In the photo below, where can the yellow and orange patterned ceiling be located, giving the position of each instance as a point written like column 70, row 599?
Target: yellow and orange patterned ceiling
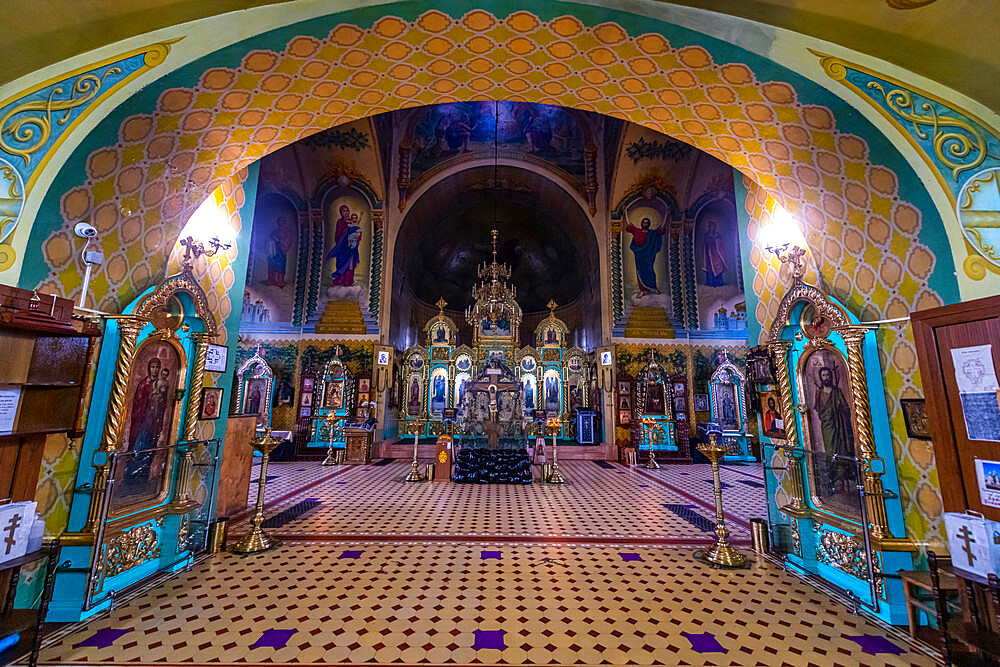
column 949, row 41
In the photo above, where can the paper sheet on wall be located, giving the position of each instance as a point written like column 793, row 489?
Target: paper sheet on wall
column 988, row 474
column 979, row 391
column 9, row 398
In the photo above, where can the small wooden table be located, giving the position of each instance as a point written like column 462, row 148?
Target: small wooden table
column 915, row 581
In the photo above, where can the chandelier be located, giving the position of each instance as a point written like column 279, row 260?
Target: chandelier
column 495, row 299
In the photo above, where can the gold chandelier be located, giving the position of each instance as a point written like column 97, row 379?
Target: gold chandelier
column 494, row 298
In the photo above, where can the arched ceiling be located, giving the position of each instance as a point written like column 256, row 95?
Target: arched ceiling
column 545, row 238
column 949, row 41
column 140, row 175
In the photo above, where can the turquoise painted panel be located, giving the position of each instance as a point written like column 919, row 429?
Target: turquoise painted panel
column 30, row 125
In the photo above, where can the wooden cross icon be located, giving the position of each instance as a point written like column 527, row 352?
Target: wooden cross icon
column 965, row 535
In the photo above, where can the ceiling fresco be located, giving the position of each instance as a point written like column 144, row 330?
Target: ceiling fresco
column 461, row 129
column 545, row 238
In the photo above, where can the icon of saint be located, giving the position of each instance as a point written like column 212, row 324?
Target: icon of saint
column 278, row 245
column 713, row 256
column 345, row 249
column 645, row 246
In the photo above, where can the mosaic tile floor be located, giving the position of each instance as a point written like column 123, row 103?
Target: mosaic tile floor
column 673, row 505
column 329, row 603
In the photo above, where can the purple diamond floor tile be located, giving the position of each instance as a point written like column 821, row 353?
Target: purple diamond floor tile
column 351, row 554
column 103, row 638
column 489, row 639
column 874, row 644
column 704, row 642
column 273, row 638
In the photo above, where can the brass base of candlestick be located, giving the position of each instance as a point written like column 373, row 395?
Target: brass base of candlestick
column 331, row 459
column 722, row 555
column 255, row 541
column 651, row 463
column 554, row 477
column 414, row 474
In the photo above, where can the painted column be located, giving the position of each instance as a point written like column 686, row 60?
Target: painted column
column 779, row 349
column 201, row 340
column 129, row 327
column 854, row 337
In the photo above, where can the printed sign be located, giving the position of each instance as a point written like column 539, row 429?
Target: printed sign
column 9, row 398
column 215, row 358
column 979, row 391
column 988, row 474
column 16, row 520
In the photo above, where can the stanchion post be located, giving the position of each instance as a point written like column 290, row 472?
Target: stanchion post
column 257, row 539
column 722, row 553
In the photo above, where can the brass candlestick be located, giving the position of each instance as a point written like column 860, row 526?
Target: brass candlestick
column 257, row 540
column 554, row 477
column 330, row 459
column 416, row 426
column 651, row 464
column 722, row 553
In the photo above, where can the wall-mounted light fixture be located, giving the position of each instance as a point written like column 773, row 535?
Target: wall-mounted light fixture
column 207, row 230
column 195, row 249
column 783, row 237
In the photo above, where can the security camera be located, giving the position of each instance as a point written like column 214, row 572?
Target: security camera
column 84, row 230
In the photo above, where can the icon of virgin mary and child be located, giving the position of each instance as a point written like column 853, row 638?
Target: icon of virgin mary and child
column 346, row 239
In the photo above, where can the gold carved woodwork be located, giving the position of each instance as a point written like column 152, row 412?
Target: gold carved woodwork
column 129, row 327
column 201, row 340
column 130, row 549
column 182, row 534
column 179, row 282
column 847, row 554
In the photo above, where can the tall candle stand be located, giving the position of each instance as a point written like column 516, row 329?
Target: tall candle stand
column 651, row 464
column 721, row 554
column 331, row 422
column 554, row 477
column 257, row 540
column 417, row 425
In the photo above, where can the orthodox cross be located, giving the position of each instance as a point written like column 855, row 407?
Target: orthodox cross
column 11, row 529
column 965, row 535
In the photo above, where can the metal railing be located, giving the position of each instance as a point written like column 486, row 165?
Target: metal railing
column 193, row 465
column 797, row 454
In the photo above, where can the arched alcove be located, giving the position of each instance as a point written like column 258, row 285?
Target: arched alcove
column 545, row 237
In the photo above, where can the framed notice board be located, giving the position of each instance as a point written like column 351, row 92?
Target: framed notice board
column 958, row 349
